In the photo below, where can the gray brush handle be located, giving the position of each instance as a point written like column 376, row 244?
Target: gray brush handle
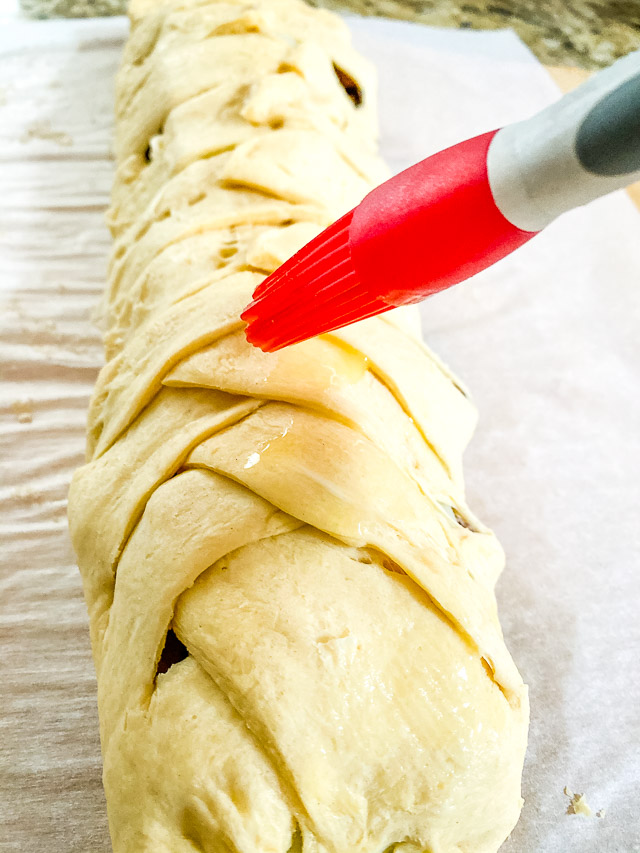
column 584, row 146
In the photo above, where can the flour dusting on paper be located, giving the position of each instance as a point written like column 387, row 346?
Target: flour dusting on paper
column 43, row 130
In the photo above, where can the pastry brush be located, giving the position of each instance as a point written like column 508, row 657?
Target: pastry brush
column 457, row 212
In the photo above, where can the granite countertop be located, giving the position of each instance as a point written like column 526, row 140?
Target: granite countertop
column 586, row 33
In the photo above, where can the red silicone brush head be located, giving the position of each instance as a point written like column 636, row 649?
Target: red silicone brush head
column 428, row 228
column 315, row 291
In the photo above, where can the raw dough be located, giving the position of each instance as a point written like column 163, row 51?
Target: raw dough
column 291, row 606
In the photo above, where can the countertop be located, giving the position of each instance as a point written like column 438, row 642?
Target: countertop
column 586, row 33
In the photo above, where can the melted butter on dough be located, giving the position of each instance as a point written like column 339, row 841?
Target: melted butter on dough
column 294, row 523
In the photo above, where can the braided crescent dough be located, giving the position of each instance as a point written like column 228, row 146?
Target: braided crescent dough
column 292, row 609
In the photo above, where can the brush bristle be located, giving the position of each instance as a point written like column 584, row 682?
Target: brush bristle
column 314, row 292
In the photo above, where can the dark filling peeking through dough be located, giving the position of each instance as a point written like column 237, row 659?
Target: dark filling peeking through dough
column 174, row 651
column 350, row 86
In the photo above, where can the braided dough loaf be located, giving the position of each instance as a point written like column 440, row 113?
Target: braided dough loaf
column 291, row 607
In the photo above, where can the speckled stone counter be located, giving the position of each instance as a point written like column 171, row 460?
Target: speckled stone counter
column 587, row 33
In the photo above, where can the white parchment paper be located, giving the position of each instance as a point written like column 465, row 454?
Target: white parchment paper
column 547, row 341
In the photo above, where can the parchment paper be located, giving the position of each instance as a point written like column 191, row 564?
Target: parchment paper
column 547, row 341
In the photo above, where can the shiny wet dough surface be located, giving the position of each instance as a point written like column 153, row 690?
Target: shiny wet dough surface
column 291, row 529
